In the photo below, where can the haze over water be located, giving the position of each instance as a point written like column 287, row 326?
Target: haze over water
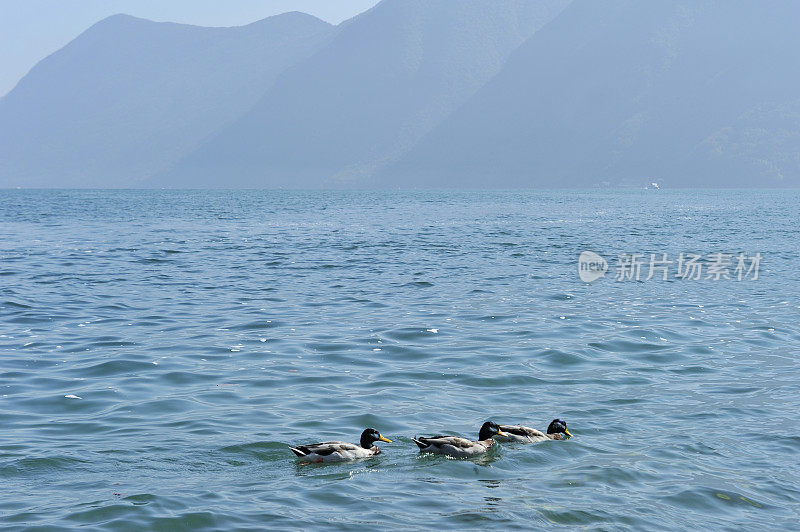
column 159, row 350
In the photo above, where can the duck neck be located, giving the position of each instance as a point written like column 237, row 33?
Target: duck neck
column 484, row 435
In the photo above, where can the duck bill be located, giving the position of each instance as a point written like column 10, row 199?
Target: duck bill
column 501, row 433
column 387, row 440
column 567, row 433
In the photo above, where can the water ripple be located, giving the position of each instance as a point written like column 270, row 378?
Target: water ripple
column 161, row 350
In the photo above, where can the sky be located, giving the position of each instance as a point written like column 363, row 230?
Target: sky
column 30, row 30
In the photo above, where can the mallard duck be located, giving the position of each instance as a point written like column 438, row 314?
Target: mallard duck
column 460, row 447
column 518, row 433
column 339, row 451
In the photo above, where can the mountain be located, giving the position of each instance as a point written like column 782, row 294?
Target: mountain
column 684, row 92
column 421, row 93
column 389, row 76
column 129, row 97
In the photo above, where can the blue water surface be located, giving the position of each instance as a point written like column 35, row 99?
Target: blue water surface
column 159, row 350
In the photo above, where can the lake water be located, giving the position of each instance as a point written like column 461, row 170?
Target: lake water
column 159, row 350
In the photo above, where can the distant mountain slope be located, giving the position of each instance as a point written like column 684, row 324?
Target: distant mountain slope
column 388, row 77
column 129, row 97
column 687, row 92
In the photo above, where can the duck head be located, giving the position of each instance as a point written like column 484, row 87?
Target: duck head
column 558, row 426
column 370, row 436
column 490, row 429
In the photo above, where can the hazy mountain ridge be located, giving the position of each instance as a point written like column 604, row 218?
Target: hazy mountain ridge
column 389, row 76
column 414, row 93
column 129, row 96
column 691, row 93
